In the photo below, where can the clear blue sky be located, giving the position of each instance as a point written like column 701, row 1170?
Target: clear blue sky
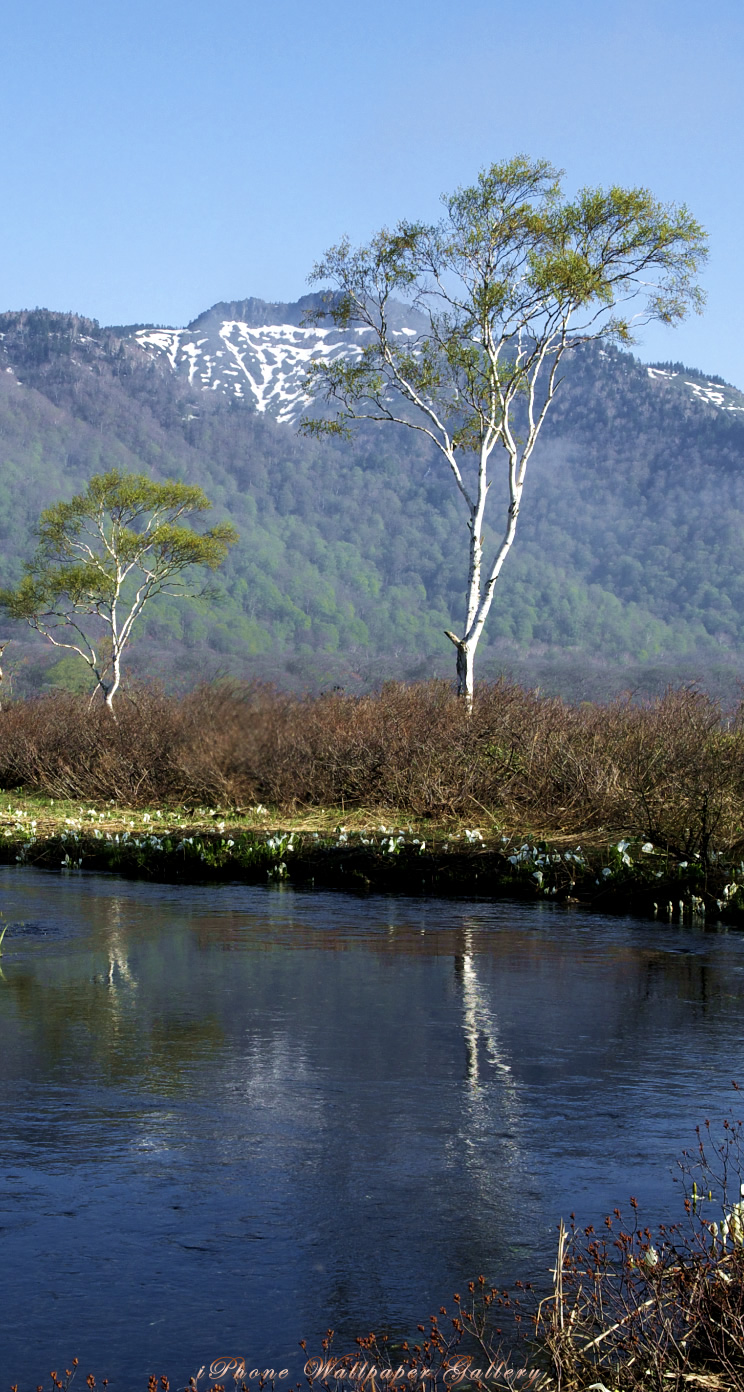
column 160, row 155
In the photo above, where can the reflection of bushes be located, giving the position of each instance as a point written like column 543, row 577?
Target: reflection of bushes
column 670, row 771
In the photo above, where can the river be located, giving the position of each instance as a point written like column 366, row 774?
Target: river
column 234, row 1116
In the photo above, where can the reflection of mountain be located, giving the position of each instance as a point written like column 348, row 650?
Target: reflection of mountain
column 87, row 1014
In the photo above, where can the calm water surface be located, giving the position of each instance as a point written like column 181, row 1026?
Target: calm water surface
column 235, row 1116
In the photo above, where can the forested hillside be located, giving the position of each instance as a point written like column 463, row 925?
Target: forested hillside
column 351, row 557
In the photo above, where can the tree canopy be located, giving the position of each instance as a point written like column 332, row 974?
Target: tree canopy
column 511, row 277
column 102, row 556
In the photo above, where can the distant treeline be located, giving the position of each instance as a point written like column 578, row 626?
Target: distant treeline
column 630, row 536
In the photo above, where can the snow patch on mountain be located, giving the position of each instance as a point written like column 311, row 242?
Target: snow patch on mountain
column 252, row 350
column 712, row 393
column 267, row 363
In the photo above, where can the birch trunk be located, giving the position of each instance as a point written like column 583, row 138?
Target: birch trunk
column 480, row 598
column 509, row 280
column 118, row 642
column 465, row 671
column 110, row 691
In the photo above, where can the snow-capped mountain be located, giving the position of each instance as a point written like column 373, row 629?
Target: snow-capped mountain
column 251, row 349
column 715, row 393
column 254, row 350
column 630, row 541
column 258, row 352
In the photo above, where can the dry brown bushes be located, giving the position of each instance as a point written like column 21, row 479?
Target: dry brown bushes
column 671, row 770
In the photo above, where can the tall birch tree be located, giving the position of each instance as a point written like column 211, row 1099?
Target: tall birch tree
column 103, row 556
column 510, row 280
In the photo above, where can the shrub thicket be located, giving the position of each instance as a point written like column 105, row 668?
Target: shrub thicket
column 671, row 770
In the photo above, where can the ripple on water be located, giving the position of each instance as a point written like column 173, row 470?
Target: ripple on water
column 234, row 1116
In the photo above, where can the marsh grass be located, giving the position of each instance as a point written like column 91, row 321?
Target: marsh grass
column 633, row 1309
column 670, row 771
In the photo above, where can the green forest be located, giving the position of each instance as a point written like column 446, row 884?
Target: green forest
column 351, row 558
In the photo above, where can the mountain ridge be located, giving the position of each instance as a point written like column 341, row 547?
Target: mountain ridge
column 352, row 555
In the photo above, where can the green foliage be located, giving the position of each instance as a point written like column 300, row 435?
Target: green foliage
column 70, row 674
column 632, row 524
column 501, row 285
column 510, row 279
column 104, row 555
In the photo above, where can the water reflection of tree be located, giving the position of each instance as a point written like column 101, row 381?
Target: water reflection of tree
column 479, row 1023
column 370, row 1101
column 492, row 1133
column 92, row 1022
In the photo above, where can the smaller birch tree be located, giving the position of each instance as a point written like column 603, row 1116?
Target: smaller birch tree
column 103, row 556
column 511, row 279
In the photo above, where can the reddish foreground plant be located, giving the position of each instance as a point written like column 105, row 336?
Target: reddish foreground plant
column 630, row 1310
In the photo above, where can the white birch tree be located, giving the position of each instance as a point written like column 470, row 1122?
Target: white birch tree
column 511, row 279
column 103, row 556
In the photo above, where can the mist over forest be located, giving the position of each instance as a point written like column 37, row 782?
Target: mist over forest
column 626, row 572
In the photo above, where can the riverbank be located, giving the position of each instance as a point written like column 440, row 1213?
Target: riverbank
column 362, row 853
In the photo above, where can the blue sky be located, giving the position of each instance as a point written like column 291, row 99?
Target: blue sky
column 160, row 155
